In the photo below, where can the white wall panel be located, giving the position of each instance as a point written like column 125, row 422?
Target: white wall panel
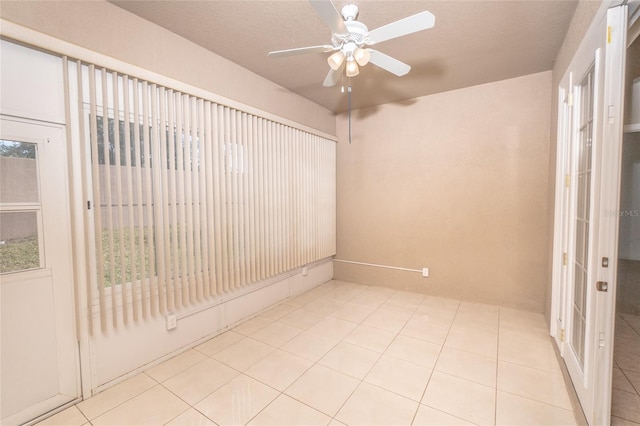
column 31, row 83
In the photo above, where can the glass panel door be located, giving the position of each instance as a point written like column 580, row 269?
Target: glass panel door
column 582, row 215
column 38, row 346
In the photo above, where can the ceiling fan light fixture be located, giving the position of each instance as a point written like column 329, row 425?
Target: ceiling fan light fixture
column 336, row 60
column 352, row 67
column 362, row 56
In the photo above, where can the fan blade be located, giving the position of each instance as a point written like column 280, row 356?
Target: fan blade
column 330, row 16
column 388, row 63
column 333, row 76
column 411, row 24
column 301, row 51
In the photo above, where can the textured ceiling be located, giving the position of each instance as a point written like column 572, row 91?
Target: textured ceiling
column 473, row 42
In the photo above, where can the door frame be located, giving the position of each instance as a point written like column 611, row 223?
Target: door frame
column 596, row 392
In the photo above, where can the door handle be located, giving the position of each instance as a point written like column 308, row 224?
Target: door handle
column 602, row 286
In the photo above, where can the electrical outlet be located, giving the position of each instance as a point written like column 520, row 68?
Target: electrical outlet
column 171, row 321
column 304, row 271
column 425, row 272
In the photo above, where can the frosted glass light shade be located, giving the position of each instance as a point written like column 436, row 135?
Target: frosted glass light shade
column 336, row 60
column 352, row 68
column 361, row 56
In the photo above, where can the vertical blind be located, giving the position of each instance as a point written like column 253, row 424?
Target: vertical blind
column 190, row 199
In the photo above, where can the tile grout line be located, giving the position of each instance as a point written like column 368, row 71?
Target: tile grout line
column 436, row 363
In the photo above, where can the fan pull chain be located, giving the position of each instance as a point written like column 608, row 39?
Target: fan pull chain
column 349, row 106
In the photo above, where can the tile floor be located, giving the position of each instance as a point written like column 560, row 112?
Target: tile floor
column 347, row 354
column 625, row 398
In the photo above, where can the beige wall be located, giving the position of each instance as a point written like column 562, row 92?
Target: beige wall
column 456, row 182
column 582, row 18
column 107, row 29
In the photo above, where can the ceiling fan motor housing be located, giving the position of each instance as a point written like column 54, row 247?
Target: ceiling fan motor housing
column 350, row 12
column 357, row 31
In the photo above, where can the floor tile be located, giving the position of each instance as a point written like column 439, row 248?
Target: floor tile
column 516, row 410
column 320, row 291
column 460, row 398
column 634, row 378
column 237, row 402
column 302, row 318
column 633, row 321
column 427, row 416
column 538, row 337
column 617, row 421
column 479, row 310
column 154, row 407
column 323, row 305
column 476, row 340
column 350, row 359
column 627, row 361
column 388, row 320
column 279, row 369
column 249, row 327
column 244, row 354
column 323, row 389
column 624, row 330
column 276, row 334
column 534, row 356
column 344, row 294
column 621, row 382
column 414, row 350
column 71, row 416
column 406, row 300
column 286, row 411
column 379, row 291
column 279, row 311
column 435, row 313
column 309, row 345
column 515, row 319
column 219, row 343
column 370, row 338
column 420, row 327
column 115, row 395
column 351, row 312
column 301, row 299
column 477, row 315
column 191, row 417
column 439, row 307
column 625, row 405
column 198, row 381
column 371, row 405
column 626, row 346
column 468, row 366
column 175, row 365
column 402, row 377
column 539, row 385
column 369, row 299
column 334, row 328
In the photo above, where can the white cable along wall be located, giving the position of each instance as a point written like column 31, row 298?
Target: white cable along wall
column 191, row 199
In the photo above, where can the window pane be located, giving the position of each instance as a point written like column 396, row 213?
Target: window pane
column 19, row 249
column 18, row 172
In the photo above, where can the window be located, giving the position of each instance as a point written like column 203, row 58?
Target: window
column 215, row 201
column 20, row 245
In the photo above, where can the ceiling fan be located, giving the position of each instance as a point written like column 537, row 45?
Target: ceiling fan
column 350, row 40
